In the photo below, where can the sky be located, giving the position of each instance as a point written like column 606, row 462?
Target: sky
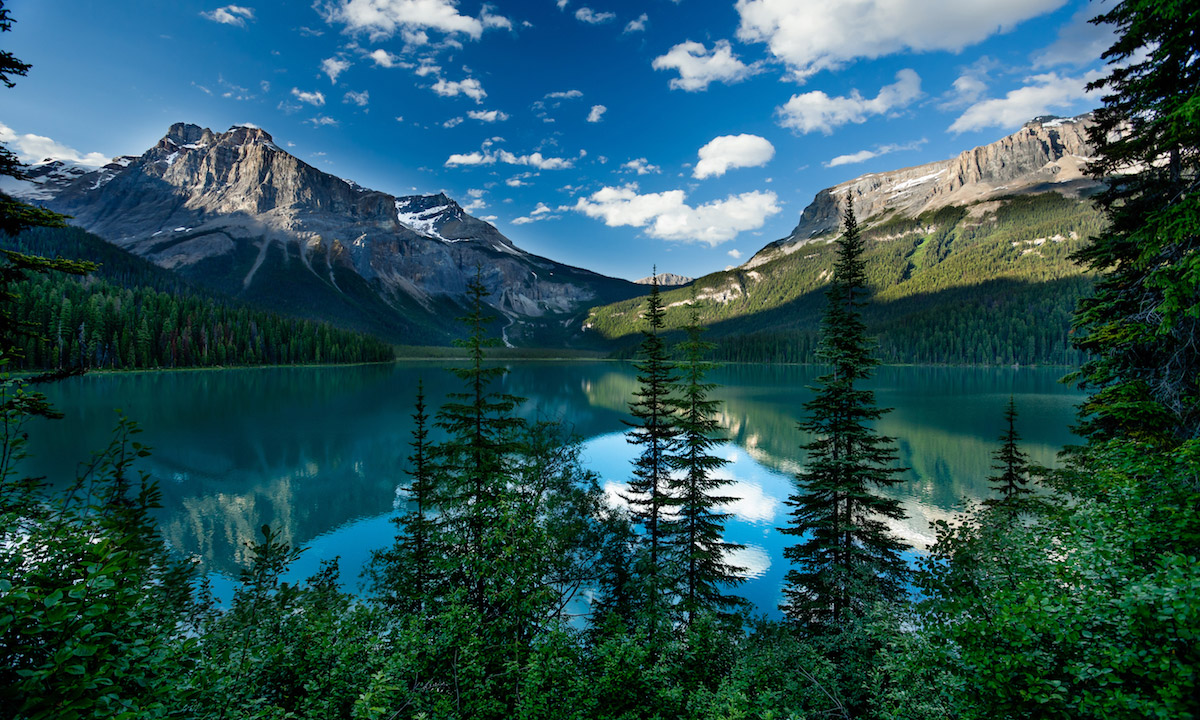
column 612, row 135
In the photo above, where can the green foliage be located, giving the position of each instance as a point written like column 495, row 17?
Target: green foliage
column 139, row 317
column 846, row 559
column 991, row 284
column 655, row 430
column 1012, row 482
column 1141, row 326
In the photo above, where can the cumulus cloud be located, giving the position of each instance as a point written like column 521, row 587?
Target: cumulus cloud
column 381, row 19
column 385, row 59
column 733, row 151
column 357, row 98
column 817, row 111
column 453, row 122
column 564, row 95
column 490, row 156
column 315, row 98
column 1044, row 94
column 665, row 215
column 541, row 212
column 590, row 16
column 487, row 116
column 638, row 24
column 698, row 67
column 864, row 155
column 333, row 67
column 230, row 15
column 36, row 148
column 641, row 166
column 321, row 121
column 735, row 254
column 470, row 87
column 597, row 112
column 815, row 35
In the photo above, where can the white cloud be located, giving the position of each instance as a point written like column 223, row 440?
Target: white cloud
column 562, row 4
column 698, row 67
column 36, row 148
column 815, row 35
column 315, row 98
column 494, row 21
column 638, row 24
column 1042, row 96
column 469, row 87
column 864, row 155
column 817, row 111
column 385, row 59
column 641, row 166
column 587, row 15
column 541, row 212
column 427, row 68
column 491, row 157
column 334, row 67
column 453, row 122
column 487, row 116
column 382, row 19
column 358, row 98
column 596, row 113
column 321, row 121
column 665, row 215
column 733, row 151
column 735, row 254
column 230, row 15
column 564, row 95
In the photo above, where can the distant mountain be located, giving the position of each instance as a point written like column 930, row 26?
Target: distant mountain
column 236, row 213
column 665, row 280
column 967, row 258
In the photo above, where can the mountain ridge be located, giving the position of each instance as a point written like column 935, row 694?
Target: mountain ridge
column 235, row 212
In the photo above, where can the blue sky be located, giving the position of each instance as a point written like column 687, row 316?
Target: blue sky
column 609, row 135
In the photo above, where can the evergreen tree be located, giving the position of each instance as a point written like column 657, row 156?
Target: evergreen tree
column 846, row 559
column 655, row 430
column 1142, row 324
column 1012, row 484
column 476, row 459
column 405, row 574
column 699, row 524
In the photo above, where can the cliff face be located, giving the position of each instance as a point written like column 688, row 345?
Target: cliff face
column 1046, row 154
column 236, row 212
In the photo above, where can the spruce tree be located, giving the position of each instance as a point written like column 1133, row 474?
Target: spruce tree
column 846, row 558
column 406, row 573
column 654, row 429
column 1012, row 484
column 1141, row 326
column 699, row 523
column 476, row 458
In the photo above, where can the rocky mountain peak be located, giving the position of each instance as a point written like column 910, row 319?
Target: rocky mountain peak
column 1047, row 153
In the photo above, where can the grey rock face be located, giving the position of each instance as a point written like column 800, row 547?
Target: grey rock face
column 1046, row 154
column 236, row 212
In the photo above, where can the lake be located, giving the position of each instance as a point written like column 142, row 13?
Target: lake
column 320, row 452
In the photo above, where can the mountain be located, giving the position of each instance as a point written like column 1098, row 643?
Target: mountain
column 236, row 213
column 665, row 280
column 968, row 259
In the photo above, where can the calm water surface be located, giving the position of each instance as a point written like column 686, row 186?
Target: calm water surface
column 319, row 452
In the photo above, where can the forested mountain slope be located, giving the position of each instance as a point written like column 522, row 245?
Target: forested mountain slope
column 986, row 282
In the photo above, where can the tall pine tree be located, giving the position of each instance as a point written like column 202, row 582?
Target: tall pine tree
column 1142, row 325
column 654, row 429
column 846, row 558
column 699, row 524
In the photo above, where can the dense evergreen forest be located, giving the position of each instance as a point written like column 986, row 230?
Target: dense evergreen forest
column 991, row 284
column 512, row 590
column 131, row 314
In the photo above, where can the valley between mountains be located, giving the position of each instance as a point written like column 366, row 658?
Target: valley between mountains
column 968, row 258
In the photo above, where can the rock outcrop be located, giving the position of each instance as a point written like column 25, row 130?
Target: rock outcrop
column 1046, row 154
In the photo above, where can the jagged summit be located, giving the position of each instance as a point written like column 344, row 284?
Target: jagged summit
column 238, row 213
column 1047, row 153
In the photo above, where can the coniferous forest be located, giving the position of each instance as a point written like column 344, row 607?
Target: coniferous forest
column 513, row 590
